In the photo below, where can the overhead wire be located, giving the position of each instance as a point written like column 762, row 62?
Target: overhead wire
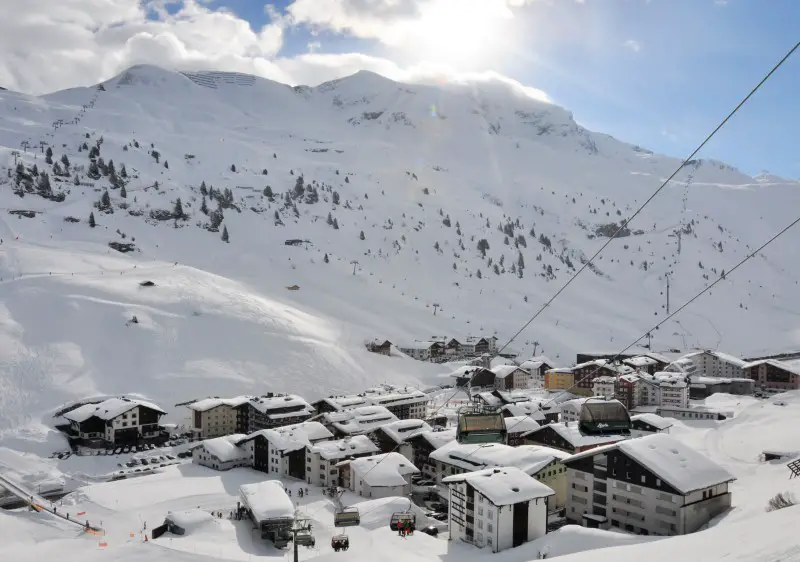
column 627, row 221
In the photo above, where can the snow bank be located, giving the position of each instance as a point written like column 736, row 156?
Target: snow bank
column 191, row 520
column 574, row 538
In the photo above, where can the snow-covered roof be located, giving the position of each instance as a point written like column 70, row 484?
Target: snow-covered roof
column 267, row 500
column 536, row 362
column 607, row 379
column 640, row 361
column 791, row 368
column 363, row 419
column 719, row 355
column 108, row 409
column 225, row 449
column 502, row 371
column 530, row 409
column 657, row 356
column 573, row 435
column 503, row 485
column 466, row 371
column 520, row 424
column 652, row 419
column 265, row 404
column 436, row 438
column 210, row 403
column 512, row 396
column 490, row 398
column 682, row 467
column 344, row 448
column 528, row 458
column 190, row 518
column 398, row 397
column 575, row 404
column 401, row 430
column 292, row 437
column 388, row 469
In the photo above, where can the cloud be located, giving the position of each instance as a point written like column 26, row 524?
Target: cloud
column 50, row 46
column 633, row 45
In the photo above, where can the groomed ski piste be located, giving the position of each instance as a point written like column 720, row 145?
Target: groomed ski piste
column 123, row 508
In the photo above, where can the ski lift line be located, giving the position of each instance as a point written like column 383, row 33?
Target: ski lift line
column 687, row 303
column 626, row 222
column 669, row 317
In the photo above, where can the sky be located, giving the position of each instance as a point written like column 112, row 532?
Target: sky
column 657, row 73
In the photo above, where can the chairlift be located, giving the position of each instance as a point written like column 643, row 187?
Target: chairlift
column 346, row 517
column 340, row 542
column 406, row 517
column 305, row 538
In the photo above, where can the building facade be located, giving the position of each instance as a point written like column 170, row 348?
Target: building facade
column 643, row 486
column 482, row 513
column 322, row 458
column 116, row 421
column 559, row 379
column 773, row 376
column 222, row 453
column 382, row 476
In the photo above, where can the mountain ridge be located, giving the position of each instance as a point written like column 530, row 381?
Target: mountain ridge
column 411, row 196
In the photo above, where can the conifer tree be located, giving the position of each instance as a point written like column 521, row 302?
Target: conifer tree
column 225, row 237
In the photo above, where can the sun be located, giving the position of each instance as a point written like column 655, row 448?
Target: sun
column 462, row 34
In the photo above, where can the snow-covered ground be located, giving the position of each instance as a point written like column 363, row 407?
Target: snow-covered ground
column 424, row 173
column 747, row 532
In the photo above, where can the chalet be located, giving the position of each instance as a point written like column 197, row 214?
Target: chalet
column 537, row 367
column 585, row 373
column 511, row 377
column 116, row 421
column 652, row 485
column 453, row 347
column 423, row 443
column 423, row 350
column 381, row 476
column 649, row 363
column 392, row 436
column 222, row 453
column 275, row 410
column 773, row 376
column 516, row 427
column 476, row 345
column 357, row 421
column 380, row 347
column 215, row 417
column 645, row 424
column 281, row 452
column 323, row 457
column 498, row 508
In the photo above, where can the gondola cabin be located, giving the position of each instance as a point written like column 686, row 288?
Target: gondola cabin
column 347, row 517
column 481, row 428
column 599, row 416
column 406, row 517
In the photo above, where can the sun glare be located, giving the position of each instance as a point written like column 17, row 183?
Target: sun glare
column 463, row 34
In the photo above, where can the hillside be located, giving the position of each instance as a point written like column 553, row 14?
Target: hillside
column 425, row 173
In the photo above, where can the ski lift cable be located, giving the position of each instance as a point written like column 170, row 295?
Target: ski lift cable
column 626, row 222
column 669, row 317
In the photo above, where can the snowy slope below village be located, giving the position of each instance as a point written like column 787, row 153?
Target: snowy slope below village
column 424, row 172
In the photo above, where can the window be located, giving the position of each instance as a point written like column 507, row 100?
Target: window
column 490, row 514
column 480, row 524
column 480, row 498
column 489, row 541
column 480, row 511
column 124, row 424
column 489, row 527
column 658, row 482
column 643, row 479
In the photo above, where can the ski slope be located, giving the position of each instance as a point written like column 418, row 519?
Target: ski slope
column 396, row 162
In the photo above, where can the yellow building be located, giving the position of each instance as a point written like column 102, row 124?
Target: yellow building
column 554, row 475
column 558, row 379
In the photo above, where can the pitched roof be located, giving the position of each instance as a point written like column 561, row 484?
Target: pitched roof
column 682, row 467
column 535, row 363
column 388, row 469
column 267, row 500
column 435, row 438
column 291, row 437
column 108, row 409
column 400, row 430
column 225, row 448
column 503, row 485
column 528, row 458
column 572, row 434
column 652, row 419
column 210, row 403
column 363, row 419
column 344, row 448
column 520, row 424
column 266, row 404
column 775, row 363
column 502, row 371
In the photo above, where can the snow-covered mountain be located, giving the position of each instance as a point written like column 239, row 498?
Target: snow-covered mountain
column 397, row 191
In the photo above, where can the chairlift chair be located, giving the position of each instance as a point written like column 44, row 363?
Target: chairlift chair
column 475, row 428
column 340, row 542
column 305, row 538
column 406, row 517
column 346, row 517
